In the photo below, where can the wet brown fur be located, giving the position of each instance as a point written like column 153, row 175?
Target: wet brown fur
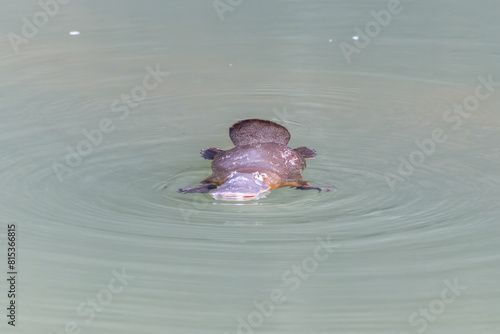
column 260, row 147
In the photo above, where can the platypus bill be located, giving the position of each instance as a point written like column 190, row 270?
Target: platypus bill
column 259, row 162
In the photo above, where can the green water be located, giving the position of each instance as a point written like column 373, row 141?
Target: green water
column 99, row 129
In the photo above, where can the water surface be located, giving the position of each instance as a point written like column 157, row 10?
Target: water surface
column 406, row 244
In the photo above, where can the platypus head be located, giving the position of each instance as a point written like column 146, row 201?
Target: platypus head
column 242, row 187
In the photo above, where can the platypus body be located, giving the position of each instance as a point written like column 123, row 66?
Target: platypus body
column 259, row 162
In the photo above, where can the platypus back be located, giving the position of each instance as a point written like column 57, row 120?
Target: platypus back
column 256, row 131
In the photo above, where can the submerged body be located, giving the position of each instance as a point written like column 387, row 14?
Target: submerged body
column 260, row 161
column 271, row 165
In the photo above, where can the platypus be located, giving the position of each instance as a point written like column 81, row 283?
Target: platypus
column 259, row 162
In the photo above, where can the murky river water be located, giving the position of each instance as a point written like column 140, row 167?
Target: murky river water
column 100, row 127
